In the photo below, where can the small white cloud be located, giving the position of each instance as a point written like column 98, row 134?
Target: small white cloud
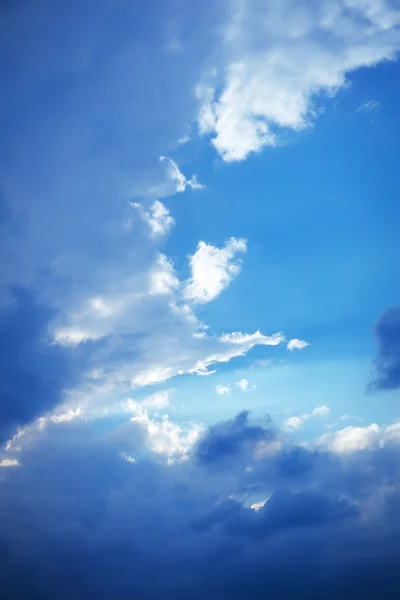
column 321, row 411
column 294, row 423
column 258, row 505
column 72, row 336
column 212, row 270
column 245, row 385
column 178, row 178
column 296, row 344
column 158, row 218
column 9, row 462
column 222, row 389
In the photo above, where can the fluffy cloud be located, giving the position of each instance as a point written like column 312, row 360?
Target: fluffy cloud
column 245, row 385
column 355, row 438
column 157, row 218
column 212, row 270
column 280, row 57
column 296, row 344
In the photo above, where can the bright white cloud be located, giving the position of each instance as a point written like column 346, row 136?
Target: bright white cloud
column 9, row 462
column 280, row 57
column 245, row 386
column 164, row 437
column 212, row 270
column 157, row 218
column 178, row 178
column 357, row 438
column 351, row 439
column 296, row 344
column 222, row 389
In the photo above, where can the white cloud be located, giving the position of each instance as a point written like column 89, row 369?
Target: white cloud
column 351, row 439
column 245, row 385
column 163, row 436
column 296, row 344
column 157, row 218
column 294, row 423
column 357, row 438
column 9, row 462
column 280, row 57
column 321, row 411
column 222, row 389
column 178, row 178
column 212, row 270
column 158, row 400
column 163, row 279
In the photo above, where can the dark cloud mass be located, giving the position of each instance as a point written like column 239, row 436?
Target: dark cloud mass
column 33, row 372
column 387, row 331
column 79, row 521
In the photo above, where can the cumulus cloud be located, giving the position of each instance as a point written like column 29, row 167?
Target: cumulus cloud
column 280, row 58
column 296, row 344
column 157, row 218
column 212, row 270
column 356, row 438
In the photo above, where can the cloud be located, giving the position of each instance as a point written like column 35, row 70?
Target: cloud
column 227, row 440
column 357, row 438
column 158, row 400
column 111, row 521
column 34, row 372
column 387, row 363
column 293, row 423
column 212, row 270
column 158, row 218
column 222, row 389
column 280, row 58
column 368, row 107
column 296, row 344
column 178, row 178
column 245, row 385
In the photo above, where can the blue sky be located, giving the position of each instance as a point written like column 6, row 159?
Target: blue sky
column 199, row 297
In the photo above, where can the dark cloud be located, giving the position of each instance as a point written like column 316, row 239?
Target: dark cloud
column 79, row 521
column 387, row 332
column 228, row 439
column 33, row 372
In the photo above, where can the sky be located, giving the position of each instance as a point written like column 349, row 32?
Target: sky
column 199, row 299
